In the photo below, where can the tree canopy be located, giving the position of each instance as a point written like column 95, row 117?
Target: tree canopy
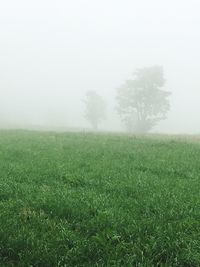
column 142, row 101
column 95, row 108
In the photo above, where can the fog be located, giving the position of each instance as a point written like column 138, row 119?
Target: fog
column 53, row 52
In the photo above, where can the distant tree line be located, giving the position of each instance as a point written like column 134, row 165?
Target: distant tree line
column 142, row 101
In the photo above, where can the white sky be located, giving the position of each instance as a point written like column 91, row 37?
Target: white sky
column 52, row 52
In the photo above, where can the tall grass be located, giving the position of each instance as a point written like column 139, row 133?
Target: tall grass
column 98, row 200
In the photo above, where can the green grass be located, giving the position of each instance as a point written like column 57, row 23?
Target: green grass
column 98, row 200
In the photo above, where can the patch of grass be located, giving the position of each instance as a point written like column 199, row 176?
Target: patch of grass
column 98, row 200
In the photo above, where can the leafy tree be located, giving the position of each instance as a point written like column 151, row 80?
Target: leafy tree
column 95, row 108
column 142, row 102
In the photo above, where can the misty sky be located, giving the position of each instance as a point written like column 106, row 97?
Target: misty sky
column 52, row 52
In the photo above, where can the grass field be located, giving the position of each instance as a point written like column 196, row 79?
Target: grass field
column 98, row 200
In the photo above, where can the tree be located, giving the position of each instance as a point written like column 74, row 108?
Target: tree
column 95, row 108
column 142, row 102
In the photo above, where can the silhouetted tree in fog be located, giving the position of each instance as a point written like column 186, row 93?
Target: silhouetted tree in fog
column 95, row 108
column 142, row 102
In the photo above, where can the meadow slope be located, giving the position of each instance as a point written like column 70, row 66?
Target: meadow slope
column 98, row 200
